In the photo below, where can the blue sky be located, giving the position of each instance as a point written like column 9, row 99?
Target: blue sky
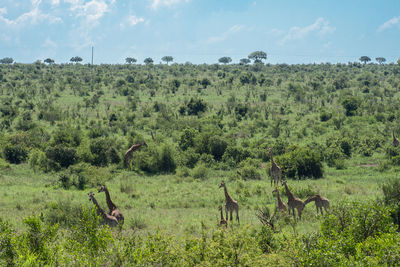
column 199, row 31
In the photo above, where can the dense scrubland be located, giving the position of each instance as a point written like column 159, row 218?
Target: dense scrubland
column 65, row 129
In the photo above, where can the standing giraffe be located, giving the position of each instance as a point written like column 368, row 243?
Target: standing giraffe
column 281, row 206
column 319, row 202
column 114, row 211
column 108, row 219
column 230, row 204
column 223, row 222
column 293, row 202
column 129, row 153
column 274, row 171
column 395, row 141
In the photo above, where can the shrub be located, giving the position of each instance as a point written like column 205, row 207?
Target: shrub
column 301, row 163
column 187, row 138
column 217, row 147
column 15, row 153
column 200, row 172
column 351, row 104
column 63, row 156
column 249, row 169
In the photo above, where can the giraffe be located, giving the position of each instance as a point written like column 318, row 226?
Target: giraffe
column 274, row 171
column 107, row 219
column 293, row 202
column 129, row 153
column 281, row 206
column 223, row 222
column 395, row 141
column 230, row 204
column 114, row 211
column 319, row 202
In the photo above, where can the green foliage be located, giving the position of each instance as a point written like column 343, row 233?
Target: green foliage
column 217, row 147
column 249, row 169
column 351, row 104
column 301, row 163
column 36, row 242
column 15, row 153
column 8, row 251
column 60, row 156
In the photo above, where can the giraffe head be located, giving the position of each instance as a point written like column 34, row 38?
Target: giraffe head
column 91, row 196
column 222, row 184
column 275, row 190
column 144, row 143
column 220, row 208
column 102, row 188
column 283, row 182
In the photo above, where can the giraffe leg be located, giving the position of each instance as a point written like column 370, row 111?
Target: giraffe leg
column 237, row 215
column 231, row 213
column 322, row 212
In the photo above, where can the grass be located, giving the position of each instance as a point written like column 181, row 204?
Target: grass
column 179, row 205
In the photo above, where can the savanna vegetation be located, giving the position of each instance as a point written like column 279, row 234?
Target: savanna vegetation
column 66, row 127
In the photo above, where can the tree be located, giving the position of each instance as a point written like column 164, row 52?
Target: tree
column 167, row 59
column 380, row 60
column 76, row 59
column 6, row 60
column 258, row 56
column 225, row 60
column 364, row 59
column 130, row 60
column 244, row 61
column 49, row 61
column 148, row 60
column 398, row 61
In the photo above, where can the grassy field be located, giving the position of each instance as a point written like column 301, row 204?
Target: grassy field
column 65, row 129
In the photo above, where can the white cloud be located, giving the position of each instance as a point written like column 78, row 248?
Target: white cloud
column 32, row 17
column 158, row 3
column 92, row 10
column 390, row 23
column 55, row 2
column 232, row 30
column 320, row 26
column 133, row 20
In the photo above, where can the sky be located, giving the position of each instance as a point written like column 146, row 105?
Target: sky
column 199, row 31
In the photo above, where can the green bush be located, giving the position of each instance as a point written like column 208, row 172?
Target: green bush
column 301, row 163
column 249, row 169
column 217, row 147
column 62, row 156
column 15, row 153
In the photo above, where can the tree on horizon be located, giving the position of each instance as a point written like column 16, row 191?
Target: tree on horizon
column 364, row 59
column 258, row 56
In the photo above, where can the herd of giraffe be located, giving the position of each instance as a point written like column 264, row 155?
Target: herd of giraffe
column 115, row 217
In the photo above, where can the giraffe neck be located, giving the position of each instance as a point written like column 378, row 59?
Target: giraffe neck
column 280, row 202
column 222, row 215
column 288, row 193
column 99, row 209
column 110, row 204
column 310, row 199
column 227, row 196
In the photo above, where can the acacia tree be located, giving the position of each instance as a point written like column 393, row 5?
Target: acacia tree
column 148, row 60
column 76, row 59
column 48, row 61
column 244, row 61
column 364, row 59
column 225, row 60
column 258, row 56
column 6, row 60
column 167, row 59
column 130, row 60
column 380, row 60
